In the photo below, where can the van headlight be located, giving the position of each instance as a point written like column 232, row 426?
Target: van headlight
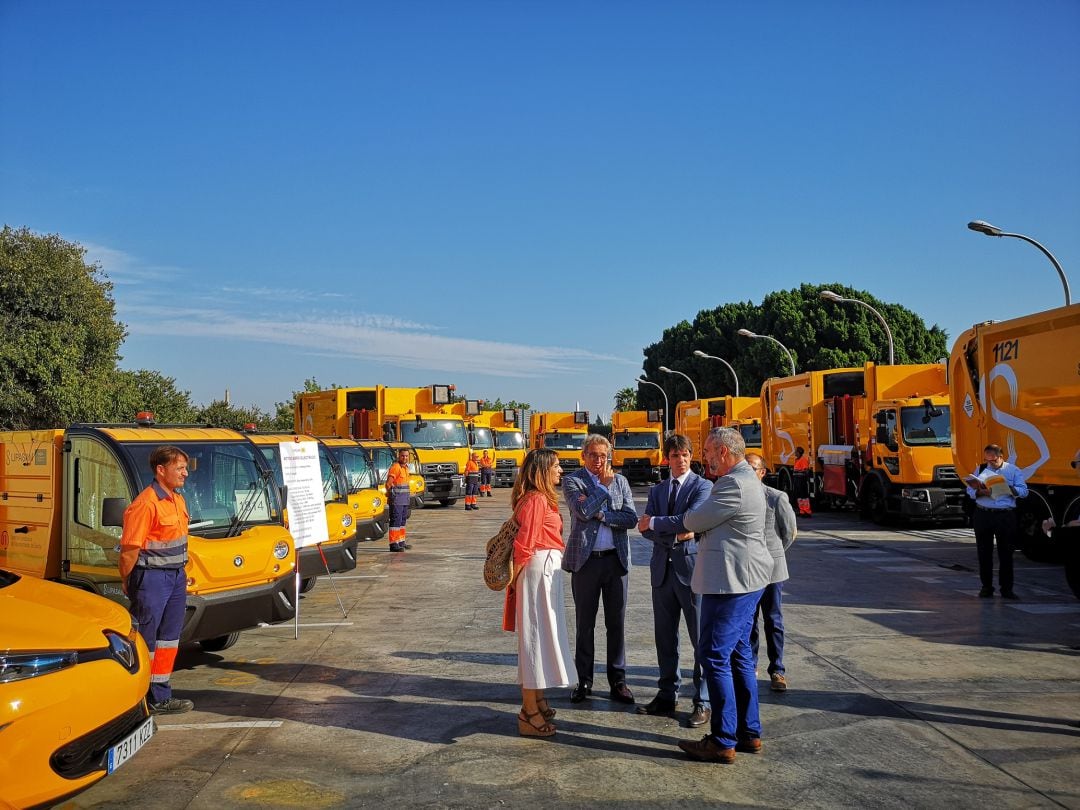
column 281, row 550
column 346, row 520
column 376, row 503
column 22, row 666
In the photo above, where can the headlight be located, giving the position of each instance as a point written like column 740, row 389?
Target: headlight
column 376, row 503
column 30, row 665
column 920, row 495
column 281, row 550
column 346, row 521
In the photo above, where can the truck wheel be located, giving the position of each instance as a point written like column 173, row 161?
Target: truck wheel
column 307, row 584
column 874, row 503
column 447, row 501
column 220, row 643
column 786, row 484
column 1033, row 542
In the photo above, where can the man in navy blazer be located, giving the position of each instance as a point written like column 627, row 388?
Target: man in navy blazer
column 672, row 566
column 597, row 556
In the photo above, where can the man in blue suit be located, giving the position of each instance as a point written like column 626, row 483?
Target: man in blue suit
column 597, row 556
column 672, row 566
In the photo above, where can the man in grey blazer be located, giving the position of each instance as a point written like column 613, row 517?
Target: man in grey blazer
column 733, row 567
column 780, row 531
column 597, row 556
column 672, row 566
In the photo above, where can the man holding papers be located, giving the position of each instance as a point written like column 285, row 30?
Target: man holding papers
column 995, row 487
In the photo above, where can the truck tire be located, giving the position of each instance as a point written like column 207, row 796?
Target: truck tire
column 1033, row 542
column 874, row 502
column 219, row 643
column 307, row 584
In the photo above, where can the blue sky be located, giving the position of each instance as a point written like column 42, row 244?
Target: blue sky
column 517, row 197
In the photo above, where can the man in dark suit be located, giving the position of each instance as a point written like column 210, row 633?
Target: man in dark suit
column 597, row 556
column 672, row 566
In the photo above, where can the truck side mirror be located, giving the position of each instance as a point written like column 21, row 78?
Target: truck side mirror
column 882, row 436
column 112, row 511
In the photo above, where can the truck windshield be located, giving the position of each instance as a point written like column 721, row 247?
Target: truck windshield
column 482, row 439
column 564, row 441
column 636, row 441
column 272, row 454
column 358, row 472
column 509, row 440
column 925, row 427
column 435, row 434
column 225, row 483
column 751, row 434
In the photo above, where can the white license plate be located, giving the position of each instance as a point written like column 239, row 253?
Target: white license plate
column 126, row 748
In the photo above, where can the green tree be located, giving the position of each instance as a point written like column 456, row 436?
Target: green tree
column 59, row 336
column 499, row 405
column 819, row 334
column 144, row 390
column 223, row 414
column 626, row 399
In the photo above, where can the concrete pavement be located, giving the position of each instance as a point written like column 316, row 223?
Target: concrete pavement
column 906, row 690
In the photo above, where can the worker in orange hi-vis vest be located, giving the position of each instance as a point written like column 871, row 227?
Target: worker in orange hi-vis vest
column 472, row 481
column 487, row 474
column 802, row 481
column 399, row 499
column 153, row 553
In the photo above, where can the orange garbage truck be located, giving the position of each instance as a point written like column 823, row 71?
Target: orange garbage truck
column 877, row 437
column 1016, row 383
column 563, row 432
column 637, row 439
column 422, row 417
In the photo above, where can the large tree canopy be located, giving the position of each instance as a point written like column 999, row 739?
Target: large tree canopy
column 820, row 335
column 59, row 336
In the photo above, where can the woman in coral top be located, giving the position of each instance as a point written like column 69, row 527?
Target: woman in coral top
column 534, row 599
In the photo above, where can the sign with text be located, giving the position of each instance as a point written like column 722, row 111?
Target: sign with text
column 303, row 476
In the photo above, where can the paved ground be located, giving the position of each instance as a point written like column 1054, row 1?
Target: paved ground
column 906, row 691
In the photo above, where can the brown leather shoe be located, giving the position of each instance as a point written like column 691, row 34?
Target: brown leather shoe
column 699, row 717
column 779, row 682
column 751, row 745
column 706, row 750
column 621, row 694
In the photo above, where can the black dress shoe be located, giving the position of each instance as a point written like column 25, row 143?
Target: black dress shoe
column 986, row 592
column 658, row 706
column 620, row 694
column 699, row 717
column 1008, row 595
column 580, row 692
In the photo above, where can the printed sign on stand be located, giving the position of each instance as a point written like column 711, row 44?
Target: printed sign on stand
column 303, row 476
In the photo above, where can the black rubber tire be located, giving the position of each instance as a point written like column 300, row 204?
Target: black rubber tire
column 219, row 643
column 307, row 584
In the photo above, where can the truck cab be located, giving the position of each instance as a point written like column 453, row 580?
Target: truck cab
column 637, row 445
column 564, row 433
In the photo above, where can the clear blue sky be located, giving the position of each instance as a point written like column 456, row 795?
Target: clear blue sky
column 517, row 197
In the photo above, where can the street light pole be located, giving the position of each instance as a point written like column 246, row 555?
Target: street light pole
column 667, row 370
column 699, row 353
column 642, row 379
column 985, row 227
column 749, row 334
column 829, row 295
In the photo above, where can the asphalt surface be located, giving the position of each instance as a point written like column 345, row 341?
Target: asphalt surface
column 906, row 690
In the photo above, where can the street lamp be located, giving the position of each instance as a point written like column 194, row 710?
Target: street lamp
column 699, row 353
column 829, row 295
column 642, row 379
column 985, row 227
column 749, row 334
column 667, row 370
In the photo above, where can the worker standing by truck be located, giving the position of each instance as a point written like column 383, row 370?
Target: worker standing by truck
column 487, row 474
column 995, row 487
column 472, row 481
column 399, row 499
column 153, row 552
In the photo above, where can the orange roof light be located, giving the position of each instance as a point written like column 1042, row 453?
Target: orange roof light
column 144, row 418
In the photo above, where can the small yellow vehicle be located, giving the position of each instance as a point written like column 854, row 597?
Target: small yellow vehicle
column 73, row 680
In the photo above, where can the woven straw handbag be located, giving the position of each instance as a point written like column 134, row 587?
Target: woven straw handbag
column 499, row 564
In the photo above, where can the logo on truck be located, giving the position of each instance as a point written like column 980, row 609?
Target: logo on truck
column 1014, row 423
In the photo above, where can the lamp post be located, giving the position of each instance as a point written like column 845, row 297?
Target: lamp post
column 749, row 334
column 699, row 353
column 985, row 227
column 642, row 379
column 829, row 295
column 667, row 370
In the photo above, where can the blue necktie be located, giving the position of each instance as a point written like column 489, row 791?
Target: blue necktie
column 671, row 497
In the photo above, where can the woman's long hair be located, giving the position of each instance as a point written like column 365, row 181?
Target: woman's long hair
column 535, row 476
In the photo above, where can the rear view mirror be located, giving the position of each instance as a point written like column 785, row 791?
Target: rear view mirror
column 112, row 511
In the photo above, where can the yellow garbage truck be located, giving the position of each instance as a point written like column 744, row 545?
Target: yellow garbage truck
column 563, row 432
column 637, row 439
column 62, row 498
